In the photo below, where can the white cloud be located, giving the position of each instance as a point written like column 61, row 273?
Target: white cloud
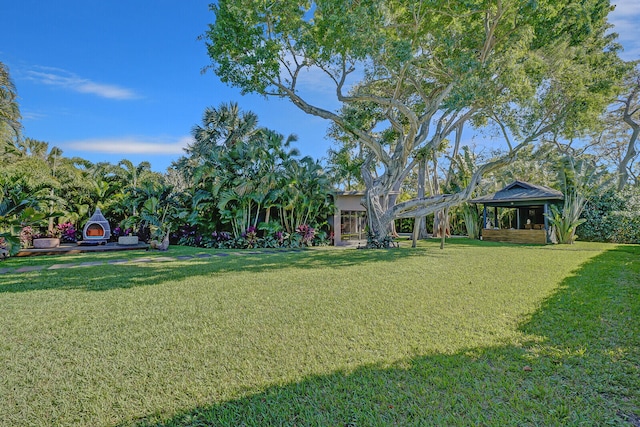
column 32, row 115
column 625, row 19
column 132, row 145
column 71, row 81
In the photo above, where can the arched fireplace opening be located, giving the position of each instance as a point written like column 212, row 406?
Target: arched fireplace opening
column 95, row 230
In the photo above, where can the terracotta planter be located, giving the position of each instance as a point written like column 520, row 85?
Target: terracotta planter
column 128, row 240
column 46, row 243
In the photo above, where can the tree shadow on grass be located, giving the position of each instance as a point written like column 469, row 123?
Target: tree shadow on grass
column 106, row 276
column 580, row 367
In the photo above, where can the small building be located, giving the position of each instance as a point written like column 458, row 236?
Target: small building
column 350, row 218
column 526, row 218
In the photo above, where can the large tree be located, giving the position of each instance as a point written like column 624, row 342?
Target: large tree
column 418, row 71
column 618, row 140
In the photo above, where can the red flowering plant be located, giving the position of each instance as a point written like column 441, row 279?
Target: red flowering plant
column 68, row 232
column 251, row 236
column 307, row 233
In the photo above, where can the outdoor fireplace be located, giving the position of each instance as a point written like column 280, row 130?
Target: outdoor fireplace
column 97, row 229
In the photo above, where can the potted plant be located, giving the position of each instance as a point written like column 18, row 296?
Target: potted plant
column 128, row 238
column 125, row 234
column 51, row 239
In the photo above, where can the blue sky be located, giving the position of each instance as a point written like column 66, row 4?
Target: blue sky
column 112, row 80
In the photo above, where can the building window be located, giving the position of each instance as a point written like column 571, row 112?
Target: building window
column 353, row 225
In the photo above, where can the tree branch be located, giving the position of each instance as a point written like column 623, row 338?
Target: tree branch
column 364, row 137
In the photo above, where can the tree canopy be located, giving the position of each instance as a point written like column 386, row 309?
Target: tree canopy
column 408, row 74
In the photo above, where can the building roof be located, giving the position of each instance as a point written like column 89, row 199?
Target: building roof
column 520, row 191
column 348, row 193
column 356, row 193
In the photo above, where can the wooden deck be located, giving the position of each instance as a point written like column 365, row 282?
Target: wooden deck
column 73, row 248
column 515, row 236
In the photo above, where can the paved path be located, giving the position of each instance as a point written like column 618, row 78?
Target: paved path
column 60, row 266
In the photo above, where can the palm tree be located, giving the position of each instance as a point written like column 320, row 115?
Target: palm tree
column 130, row 174
column 240, row 172
column 221, row 164
column 158, row 206
column 225, row 126
column 273, row 159
column 130, row 177
column 38, row 149
column 306, row 194
column 9, row 109
column 344, row 168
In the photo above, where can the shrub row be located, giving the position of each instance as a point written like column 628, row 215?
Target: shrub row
column 304, row 235
column 613, row 217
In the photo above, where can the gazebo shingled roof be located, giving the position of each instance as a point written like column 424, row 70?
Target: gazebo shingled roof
column 519, row 191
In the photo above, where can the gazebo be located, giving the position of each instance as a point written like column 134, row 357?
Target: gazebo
column 526, row 219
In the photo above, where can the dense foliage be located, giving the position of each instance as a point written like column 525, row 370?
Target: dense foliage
column 246, row 180
column 238, row 186
column 612, row 217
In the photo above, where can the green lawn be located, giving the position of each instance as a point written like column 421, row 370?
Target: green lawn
column 476, row 334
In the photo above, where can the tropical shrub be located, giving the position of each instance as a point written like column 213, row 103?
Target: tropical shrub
column 375, row 243
column 273, row 234
column 19, row 207
column 614, row 216
column 306, row 233
column 220, row 238
column 266, row 235
column 628, row 227
column 26, row 237
column 581, row 180
column 250, row 236
column 321, row 238
column 186, row 235
column 565, row 221
column 68, row 233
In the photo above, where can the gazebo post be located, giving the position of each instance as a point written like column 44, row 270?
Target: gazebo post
column 495, row 217
column 484, row 216
column 546, row 221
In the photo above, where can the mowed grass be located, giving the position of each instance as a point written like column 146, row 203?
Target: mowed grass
column 475, row 334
